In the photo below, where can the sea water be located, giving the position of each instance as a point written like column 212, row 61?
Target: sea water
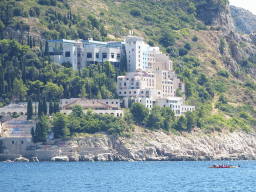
column 127, row 176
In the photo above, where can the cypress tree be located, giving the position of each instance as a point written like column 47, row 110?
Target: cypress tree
column 44, row 106
column 46, row 52
column 33, row 134
column 51, row 108
column 58, row 107
column 34, row 42
column 40, row 108
column 29, row 109
column 30, row 42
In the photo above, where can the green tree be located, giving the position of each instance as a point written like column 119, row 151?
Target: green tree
column 188, row 90
column 166, row 39
column 191, row 120
column 29, row 109
column 44, row 106
column 51, row 108
column 46, row 53
column 155, row 119
column 60, row 125
column 1, row 30
column 77, row 111
column 19, row 89
column 222, row 45
column 33, row 134
column 139, row 112
column 181, row 123
column 42, row 128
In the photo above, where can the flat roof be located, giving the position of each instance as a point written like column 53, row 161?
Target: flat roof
column 62, row 40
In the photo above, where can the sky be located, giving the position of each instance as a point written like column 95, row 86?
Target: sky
column 246, row 4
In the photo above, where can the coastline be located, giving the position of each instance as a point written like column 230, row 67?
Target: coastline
column 143, row 145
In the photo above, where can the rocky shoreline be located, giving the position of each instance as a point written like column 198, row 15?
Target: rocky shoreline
column 144, row 145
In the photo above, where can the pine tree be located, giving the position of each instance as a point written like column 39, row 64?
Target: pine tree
column 29, row 109
column 99, row 95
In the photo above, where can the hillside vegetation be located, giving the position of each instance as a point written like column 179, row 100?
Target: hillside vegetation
column 218, row 83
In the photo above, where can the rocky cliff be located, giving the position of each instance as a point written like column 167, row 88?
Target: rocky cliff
column 216, row 13
column 147, row 145
column 244, row 20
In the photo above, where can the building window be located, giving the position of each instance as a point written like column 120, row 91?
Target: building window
column 118, row 56
column 116, row 102
column 12, row 142
column 97, row 55
column 124, row 84
column 21, row 142
column 125, row 92
column 67, row 54
column 112, row 55
column 89, row 55
column 104, row 55
column 120, row 92
column 132, row 50
column 134, row 92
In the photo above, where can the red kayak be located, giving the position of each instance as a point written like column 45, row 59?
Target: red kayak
column 222, row 166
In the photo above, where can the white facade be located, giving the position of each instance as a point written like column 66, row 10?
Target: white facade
column 82, row 53
column 136, row 53
column 176, row 104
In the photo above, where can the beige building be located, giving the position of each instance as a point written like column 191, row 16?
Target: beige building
column 158, row 61
column 99, row 106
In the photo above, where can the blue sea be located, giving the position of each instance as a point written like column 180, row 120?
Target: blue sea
column 126, row 176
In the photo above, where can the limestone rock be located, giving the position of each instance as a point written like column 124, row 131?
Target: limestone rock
column 60, row 159
column 21, row 159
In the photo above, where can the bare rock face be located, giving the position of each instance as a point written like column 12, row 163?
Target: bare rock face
column 60, row 159
column 216, row 13
column 21, row 159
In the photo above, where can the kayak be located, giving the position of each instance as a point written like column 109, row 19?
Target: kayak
column 223, row 167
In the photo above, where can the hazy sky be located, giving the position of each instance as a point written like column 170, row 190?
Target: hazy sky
column 246, row 4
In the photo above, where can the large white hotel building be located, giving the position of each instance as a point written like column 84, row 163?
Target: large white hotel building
column 150, row 78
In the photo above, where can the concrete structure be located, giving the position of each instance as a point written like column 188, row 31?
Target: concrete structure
column 158, row 61
column 19, row 108
column 99, row 106
column 82, row 53
column 18, row 127
column 136, row 54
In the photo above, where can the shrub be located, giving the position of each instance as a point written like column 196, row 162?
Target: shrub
column 195, row 38
column 135, row 12
column 173, row 51
column 223, row 73
column 183, row 51
column 187, row 46
column 213, row 62
column 250, row 84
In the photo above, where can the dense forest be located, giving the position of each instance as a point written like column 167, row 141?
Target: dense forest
column 176, row 26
